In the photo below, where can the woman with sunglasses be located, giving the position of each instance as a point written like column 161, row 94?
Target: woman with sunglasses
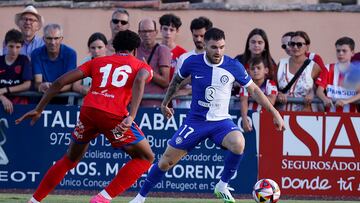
column 304, row 85
column 97, row 48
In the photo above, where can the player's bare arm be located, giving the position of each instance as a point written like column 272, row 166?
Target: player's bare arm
column 137, row 94
column 173, row 87
column 260, row 98
column 244, row 109
column 53, row 90
column 162, row 78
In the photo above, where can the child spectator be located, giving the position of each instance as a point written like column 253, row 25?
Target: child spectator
column 260, row 75
column 336, row 71
column 15, row 71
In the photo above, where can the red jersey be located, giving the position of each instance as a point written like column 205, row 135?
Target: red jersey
column 268, row 88
column 321, row 80
column 175, row 54
column 112, row 81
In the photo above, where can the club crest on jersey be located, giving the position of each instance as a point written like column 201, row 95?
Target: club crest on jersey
column 224, row 79
column 210, row 93
column 178, row 140
column 117, row 133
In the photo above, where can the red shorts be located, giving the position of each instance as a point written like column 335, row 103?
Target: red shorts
column 93, row 122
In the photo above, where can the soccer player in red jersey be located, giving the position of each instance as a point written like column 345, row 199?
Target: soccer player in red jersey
column 116, row 80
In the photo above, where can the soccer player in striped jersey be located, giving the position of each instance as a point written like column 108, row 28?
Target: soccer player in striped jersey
column 212, row 77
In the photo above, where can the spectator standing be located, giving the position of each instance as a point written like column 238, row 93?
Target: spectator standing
column 15, row 71
column 29, row 22
column 169, row 28
column 158, row 56
column 119, row 22
column 285, row 39
column 322, row 79
column 198, row 27
column 259, row 73
column 303, row 86
column 335, row 89
column 52, row 60
column 257, row 44
column 97, row 48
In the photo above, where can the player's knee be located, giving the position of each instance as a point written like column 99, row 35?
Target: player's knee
column 166, row 163
column 237, row 146
column 150, row 157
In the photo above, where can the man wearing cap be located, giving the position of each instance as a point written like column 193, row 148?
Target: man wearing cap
column 29, row 22
column 119, row 22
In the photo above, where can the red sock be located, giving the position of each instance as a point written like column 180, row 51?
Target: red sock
column 127, row 176
column 53, row 177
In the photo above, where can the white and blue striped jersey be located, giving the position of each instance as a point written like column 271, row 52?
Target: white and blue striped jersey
column 212, row 84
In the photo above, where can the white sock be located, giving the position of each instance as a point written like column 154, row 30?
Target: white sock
column 221, row 184
column 106, row 195
column 33, row 200
column 140, row 197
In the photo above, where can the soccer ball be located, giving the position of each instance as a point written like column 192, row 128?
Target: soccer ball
column 266, row 191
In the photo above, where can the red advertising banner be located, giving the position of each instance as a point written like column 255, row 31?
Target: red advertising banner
column 317, row 154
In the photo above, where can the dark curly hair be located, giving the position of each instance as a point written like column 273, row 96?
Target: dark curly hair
column 170, row 20
column 126, row 41
column 199, row 23
column 214, row 34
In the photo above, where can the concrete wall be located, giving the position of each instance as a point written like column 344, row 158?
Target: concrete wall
column 324, row 28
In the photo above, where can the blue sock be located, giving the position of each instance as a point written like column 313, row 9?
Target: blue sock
column 232, row 162
column 155, row 175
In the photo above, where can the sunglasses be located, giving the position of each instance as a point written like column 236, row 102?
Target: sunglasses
column 298, row 44
column 117, row 21
column 284, row 46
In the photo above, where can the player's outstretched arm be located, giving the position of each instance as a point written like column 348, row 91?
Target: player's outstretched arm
column 54, row 89
column 260, row 98
column 173, row 87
